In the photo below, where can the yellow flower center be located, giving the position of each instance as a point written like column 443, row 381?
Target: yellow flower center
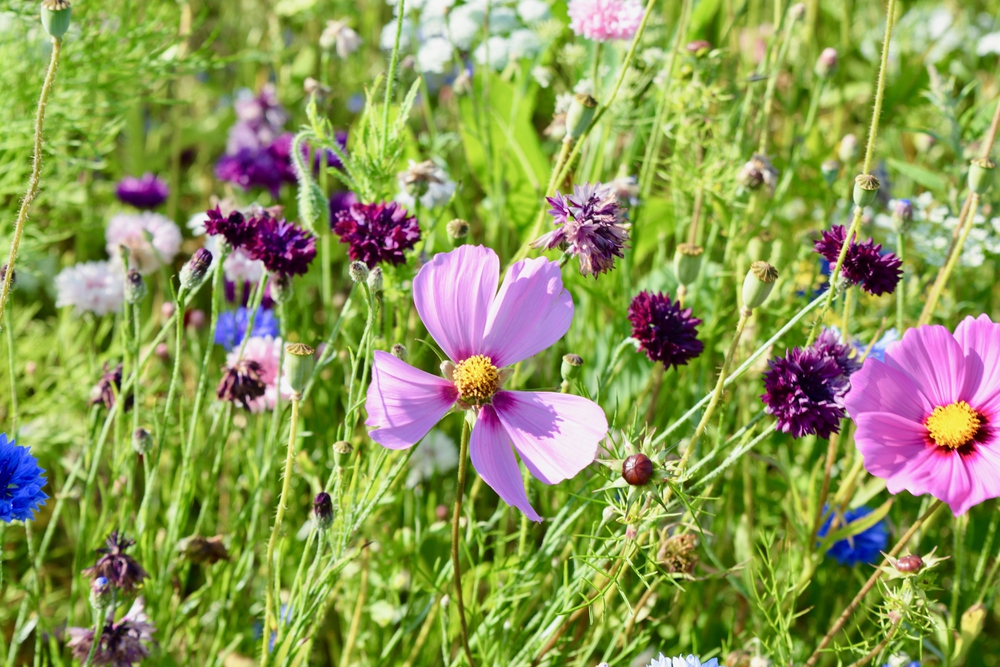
column 953, row 425
column 477, row 379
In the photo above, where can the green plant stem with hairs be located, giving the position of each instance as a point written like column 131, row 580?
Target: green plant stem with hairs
column 34, row 181
column 456, row 534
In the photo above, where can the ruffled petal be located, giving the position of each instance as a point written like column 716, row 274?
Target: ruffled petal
column 979, row 337
column 530, row 313
column 934, row 360
column 404, row 402
column 493, row 458
column 556, row 434
column 878, row 387
column 453, row 293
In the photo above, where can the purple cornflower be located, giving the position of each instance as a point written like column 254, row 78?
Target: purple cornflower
column 864, row 263
column 283, row 247
column 108, row 387
column 120, row 569
column 591, row 224
column 828, row 343
column 267, row 167
column 233, row 227
column 666, row 332
column 341, row 200
column 377, row 232
column 805, row 391
column 146, row 192
column 122, row 644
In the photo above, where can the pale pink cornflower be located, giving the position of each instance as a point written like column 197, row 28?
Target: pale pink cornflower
column 601, row 20
column 482, row 331
column 96, row 287
column 266, row 351
column 153, row 239
column 928, row 416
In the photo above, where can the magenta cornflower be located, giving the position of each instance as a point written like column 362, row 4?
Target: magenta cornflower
column 590, row 224
column 235, row 228
column 927, row 415
column 864, row 263
column 601, row 20
column 283, row 247
column 146, row 192
column 666, row 332
column 482, row 331
column 804, row 390
column 828, row 342
column 377, row 232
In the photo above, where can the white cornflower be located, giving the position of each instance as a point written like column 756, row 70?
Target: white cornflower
column 434, row 55
column 496, row 50
column 96, row 287
column 153, row 239
column 681, row 661
column 533, row 11
column 388, row 37
column 464, row 23
column 435, row 454
column 503, row 20
column 542, row 75
column 427, row 181
column 339, row 37
column 524, row 43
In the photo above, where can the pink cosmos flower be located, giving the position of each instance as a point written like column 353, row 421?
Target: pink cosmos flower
column 266, row 351
column 928, row 415
column 482, row 331
column 601, row 20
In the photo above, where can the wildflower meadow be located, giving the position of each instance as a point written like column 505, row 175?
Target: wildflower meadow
column 499, row 333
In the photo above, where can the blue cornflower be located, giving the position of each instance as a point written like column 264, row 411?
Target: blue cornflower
column 865, row 547
column 232, row 326
column 878, row 349
column 21, row 482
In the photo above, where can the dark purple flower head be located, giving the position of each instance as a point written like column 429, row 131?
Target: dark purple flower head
column 146, row 192
column 341, row 201
column 120, row 569
column 864, row 263
column 122, row 644
column 283, row 247
column 268, row 166
column 665, row 332
column 591, row 224
column 377, row 232
column 805, row 391
column 828, row 343
column 263, row 115
column 108, row 388
column 233, row 227
column 242, row 383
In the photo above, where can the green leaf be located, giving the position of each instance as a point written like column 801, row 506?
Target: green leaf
column 919, row 175
column 857, row 526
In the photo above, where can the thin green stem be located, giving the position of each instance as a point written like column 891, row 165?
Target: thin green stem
column 463, row 455
column 901, row 287
column 949, row 267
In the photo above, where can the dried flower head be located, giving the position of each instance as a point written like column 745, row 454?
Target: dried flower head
column 122, row 644
column 677, row 553
column 242, row 383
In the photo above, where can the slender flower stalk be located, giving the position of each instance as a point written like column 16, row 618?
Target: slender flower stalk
column 456, row 537
column 953, row 258
column 34, row 181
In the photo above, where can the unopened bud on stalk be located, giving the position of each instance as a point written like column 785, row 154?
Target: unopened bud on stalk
column 135, row 286
column 865, row 190
column 342, row 451
column 323, row 510
column 100, row 593
column 375, row 280
column 758, row 284
column 826, row 64
column 193, row 273
column 581, row 112
column 358, row 271
column 56, row 16
column 571, row 368
column 910, row 564
column 981, row 175
column 797, row 12
column 281, row 288
column 399, row 351
column 298, row 366
column 142, row 441
column 458, row 229
column 687, row 262
column 755, row 249
column 848, row 149
column 902, row 215
column 637, row 470
column 830, row 169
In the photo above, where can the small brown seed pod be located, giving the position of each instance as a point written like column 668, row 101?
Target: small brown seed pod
column 911, row 563
column 637, row 469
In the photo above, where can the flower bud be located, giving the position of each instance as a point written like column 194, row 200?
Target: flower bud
column 441, row 512
column 375, row 280
column 830, row 169
column 581, row 112
column 910, row 564
column 687, row 262
column 865, row 190
column 193, row 273
column 399, row 351
column 758, row 284
column 826, row 64
column 902, row 215
column 637, row 470
column 755, row 249
column 571, row 367
column 698, row 47
column 56, row 17
column 358, row 271
column 100, row 593
column 135, row 286
column 298, row 366
column 981, row 175
column 848, row 152
column 458, row 229
column 142, row 441
column 281, row 288
column 323, row 510
column 342, row 451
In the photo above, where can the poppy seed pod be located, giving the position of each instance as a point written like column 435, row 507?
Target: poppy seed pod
column 399, row 351
column 865, row 190
column 758, row 284
column 342, row 451
column 458, row 229
column 981, row 175
column 571, row 365
column 581, row 112
column 687, row 262
column 298, row 366
column 637, row 470
column 56, row 16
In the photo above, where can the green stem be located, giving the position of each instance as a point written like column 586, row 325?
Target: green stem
column 953, row 259
column 901, row 287
column 456, row 536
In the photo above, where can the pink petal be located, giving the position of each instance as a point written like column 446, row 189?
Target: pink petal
column 493, row 458
column 878, row 387
column 555, row 434
column 934, row 360
column 980, row 338
column 404, row 403
column 453, row 293
column 531, row 312
column 889, row 444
